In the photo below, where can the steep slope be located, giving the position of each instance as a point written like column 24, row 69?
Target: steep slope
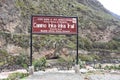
column 96, row 24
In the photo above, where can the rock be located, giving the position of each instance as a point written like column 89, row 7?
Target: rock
column 13, row 49
column 83, row 70
column 114, row 72
column 31, row 70
column 89, row 68
column 21, row 71
column 51, row 70
column 77, row 67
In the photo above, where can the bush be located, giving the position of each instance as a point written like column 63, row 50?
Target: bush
column 22, row 60
column 84, row 57
column 111, row 45
column 6, row 58
column 107, row 67
column 85, row 43
column 67, row 61
column 3, row 55
column 82, row 63
column 112, row 67
column 16, row 76
column 39, row 64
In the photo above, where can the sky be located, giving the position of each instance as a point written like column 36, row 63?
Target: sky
column 112, row 5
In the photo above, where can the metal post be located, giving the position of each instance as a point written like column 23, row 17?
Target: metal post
column 31, row 44
column 77, row 59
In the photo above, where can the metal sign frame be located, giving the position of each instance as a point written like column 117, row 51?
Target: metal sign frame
column 72, row 31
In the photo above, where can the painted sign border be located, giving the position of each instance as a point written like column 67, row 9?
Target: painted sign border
column 71, row 31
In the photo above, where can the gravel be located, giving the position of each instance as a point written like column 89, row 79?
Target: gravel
column 54, row 76
column 64, row 75
column 105, row 77
column 7, row 67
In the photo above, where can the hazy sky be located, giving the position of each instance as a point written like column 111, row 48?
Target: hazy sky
column 112, row 5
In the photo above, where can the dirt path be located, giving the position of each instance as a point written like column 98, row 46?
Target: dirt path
column 71, row 76
column 54, row 76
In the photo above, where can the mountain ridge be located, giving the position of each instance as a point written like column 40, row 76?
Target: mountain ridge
column 96, row 24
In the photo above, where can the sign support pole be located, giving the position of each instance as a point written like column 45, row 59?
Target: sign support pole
column 31, row 44
column 77, row 57
column 31, row 68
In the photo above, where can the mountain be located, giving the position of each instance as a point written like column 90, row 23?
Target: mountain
column 98, row 29
column 117, row 16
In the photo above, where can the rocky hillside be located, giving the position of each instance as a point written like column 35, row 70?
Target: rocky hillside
column 98, row 29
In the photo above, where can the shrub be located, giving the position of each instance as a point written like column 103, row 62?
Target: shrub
column 3, row 55
column 6, row 58
column 22, row 60
column 107, row 67
column 68, row 60
column 85, row 43
column 16, row 76
column 84, row 57
column 111, row 45
column 39, row 64
column 112, row 67
column 81, row 63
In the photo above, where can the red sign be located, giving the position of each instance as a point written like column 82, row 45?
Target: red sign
column 54, row 25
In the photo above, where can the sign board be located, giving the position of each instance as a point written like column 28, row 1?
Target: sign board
column 54, row 25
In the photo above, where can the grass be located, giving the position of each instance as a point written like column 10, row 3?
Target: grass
column 16, row 76
column 1, row 63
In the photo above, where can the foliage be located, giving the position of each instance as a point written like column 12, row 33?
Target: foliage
column 90, row 57
column 68, row 60
column 112, row 67
column 21, row 40
column 85, row 57
column 99, row 66
column 16, row 76
column 82, row 63
column 111, row 45
column 85, row 43
column 5, row 58
column 22, row 60
column 86, row 15
column 39, row 64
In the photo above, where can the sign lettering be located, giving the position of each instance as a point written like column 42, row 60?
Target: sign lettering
column 54, row 25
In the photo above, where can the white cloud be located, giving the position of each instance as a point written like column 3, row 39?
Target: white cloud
column 112, row 5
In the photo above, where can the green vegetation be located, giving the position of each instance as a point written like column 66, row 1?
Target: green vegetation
column 112, row 67
column 85, row 43
column 16, row 76
column 111, row 45
column 82, row 63
column 5, row 57
column 90, row 17
column 67, row 60
column 66, row 8
column 22, row 60
column 21, row 40
column 39, row 64
column 90, row 57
